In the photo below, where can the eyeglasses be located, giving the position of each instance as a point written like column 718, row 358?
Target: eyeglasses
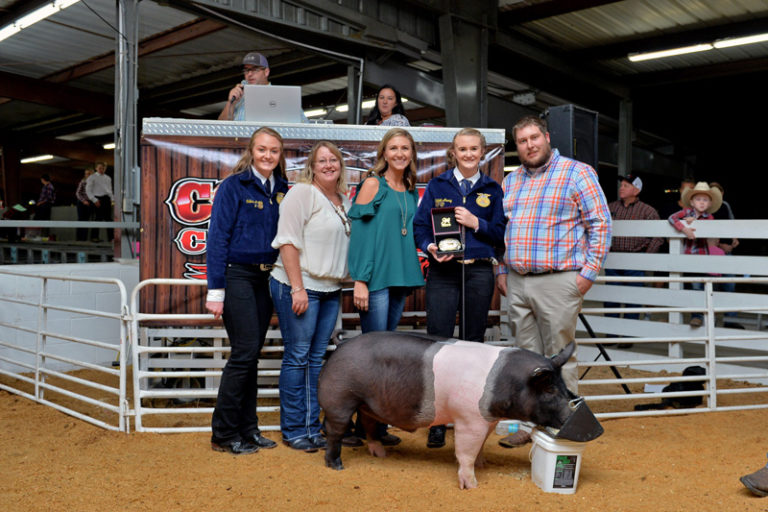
column 248, row 70
column 332, row 161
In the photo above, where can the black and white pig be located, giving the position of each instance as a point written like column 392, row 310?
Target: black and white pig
column 415, row 380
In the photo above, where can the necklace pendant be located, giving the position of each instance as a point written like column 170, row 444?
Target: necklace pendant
column 404, row 231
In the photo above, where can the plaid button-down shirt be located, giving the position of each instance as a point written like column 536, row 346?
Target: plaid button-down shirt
column 636, row 210
column 698, row 245
column 558, row 219
column 47, row 195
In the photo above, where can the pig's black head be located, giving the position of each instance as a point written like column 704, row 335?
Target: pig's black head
column 529, row 387
column 552, row 396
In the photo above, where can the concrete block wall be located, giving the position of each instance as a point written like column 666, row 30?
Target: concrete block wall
column 93, row 296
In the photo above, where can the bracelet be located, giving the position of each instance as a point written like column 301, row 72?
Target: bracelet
column 296, row 290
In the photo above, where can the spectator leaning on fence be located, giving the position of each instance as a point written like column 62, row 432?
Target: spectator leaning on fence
column 703, row 201
column 629, row 207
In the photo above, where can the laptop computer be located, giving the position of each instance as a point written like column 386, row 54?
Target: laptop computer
column 273, row 103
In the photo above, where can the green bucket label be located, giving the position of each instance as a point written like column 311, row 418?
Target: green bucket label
column 565, row 471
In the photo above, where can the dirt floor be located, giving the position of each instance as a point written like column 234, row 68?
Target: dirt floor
column 51, row 461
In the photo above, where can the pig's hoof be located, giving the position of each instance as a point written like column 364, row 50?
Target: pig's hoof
column 467, row 481
column 375, row 449
column 335, row 464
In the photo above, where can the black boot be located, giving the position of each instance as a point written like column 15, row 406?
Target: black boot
column 436, row 438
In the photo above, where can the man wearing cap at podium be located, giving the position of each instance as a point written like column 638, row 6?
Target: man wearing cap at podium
column 256, row 72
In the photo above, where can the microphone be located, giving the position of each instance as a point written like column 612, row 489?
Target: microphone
column 233, row 98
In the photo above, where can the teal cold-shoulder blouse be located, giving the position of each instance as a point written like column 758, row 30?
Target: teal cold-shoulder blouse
column 379, row 254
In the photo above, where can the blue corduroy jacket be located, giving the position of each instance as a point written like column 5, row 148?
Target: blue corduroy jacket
column 484, row 201
column 243, row 224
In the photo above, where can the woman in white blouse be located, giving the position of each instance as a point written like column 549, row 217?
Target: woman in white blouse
column 313, row 238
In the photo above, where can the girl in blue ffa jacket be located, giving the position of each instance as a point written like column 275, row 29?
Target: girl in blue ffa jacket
column 478, row 202
column 239, row 259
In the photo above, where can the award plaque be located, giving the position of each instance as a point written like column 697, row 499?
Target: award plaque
column 447, row 232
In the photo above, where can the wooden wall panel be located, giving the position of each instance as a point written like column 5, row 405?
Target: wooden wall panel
column 167, row 159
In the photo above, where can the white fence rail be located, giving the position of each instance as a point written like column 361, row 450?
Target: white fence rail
column 662, row 339
column 182, row 363
column 732, row 347
column 36, row 346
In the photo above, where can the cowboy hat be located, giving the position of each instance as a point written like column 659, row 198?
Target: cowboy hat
column 703, row 187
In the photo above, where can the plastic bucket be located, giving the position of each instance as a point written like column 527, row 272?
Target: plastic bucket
column 555, row 463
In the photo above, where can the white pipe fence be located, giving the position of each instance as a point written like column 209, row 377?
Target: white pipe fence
column 33, row 361
column 661, row 342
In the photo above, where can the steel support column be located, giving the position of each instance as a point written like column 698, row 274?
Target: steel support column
column 354, row 94
column 625, row 137
column 464, row 52
column 126, row 132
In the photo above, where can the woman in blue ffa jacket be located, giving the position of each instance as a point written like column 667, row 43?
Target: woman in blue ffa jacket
column 239, row 259
column 466, row 283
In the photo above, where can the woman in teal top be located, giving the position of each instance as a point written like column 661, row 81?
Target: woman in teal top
column 382, row 251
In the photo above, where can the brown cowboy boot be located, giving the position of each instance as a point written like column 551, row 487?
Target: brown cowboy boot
column 757, row 482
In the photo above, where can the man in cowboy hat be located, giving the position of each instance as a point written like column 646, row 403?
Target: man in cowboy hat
column 703, row 201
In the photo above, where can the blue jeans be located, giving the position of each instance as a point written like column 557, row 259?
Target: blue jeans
column 247, row 311
column 385, row 307
column 624, row 273
column 698, row 287
column 306, row 339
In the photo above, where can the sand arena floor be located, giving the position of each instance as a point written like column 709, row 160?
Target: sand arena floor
column 54, row 462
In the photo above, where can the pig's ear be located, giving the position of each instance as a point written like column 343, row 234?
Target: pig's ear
column 564, row 355
column 541, row 378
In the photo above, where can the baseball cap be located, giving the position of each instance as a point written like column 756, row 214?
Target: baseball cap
column 632, row 180
column 255, row 59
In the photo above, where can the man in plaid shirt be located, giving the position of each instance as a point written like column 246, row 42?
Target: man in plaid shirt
column 629, row 207
column 557, row 238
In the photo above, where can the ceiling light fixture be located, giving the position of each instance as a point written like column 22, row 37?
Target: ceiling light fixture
column 315, row 112
column 108, row 145
column 33, row 17
column 737, row 41
column 38, row 158
column 637, row 57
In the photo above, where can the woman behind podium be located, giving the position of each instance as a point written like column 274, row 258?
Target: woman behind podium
column 388, row 109
column 239, row 259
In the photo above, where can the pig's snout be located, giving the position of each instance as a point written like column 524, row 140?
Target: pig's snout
column 581, row 425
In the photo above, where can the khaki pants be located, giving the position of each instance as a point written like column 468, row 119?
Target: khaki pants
column 543, row 310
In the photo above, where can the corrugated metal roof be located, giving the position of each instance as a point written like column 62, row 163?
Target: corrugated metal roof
column 636, row 20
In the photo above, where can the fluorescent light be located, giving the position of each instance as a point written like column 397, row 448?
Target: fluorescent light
column 637, row 57
column 109, row 145
column 38, row 158
column 8, row 31
column 342, row 108
column 369, row 103
column 510, row 168
column 315, row 112
column 34, row 16
column 736, row 41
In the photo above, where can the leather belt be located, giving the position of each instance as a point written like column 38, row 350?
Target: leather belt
column 475, row 260
column 263, row 267
column 550, row 271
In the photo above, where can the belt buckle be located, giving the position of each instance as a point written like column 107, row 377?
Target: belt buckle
column 265, row 267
